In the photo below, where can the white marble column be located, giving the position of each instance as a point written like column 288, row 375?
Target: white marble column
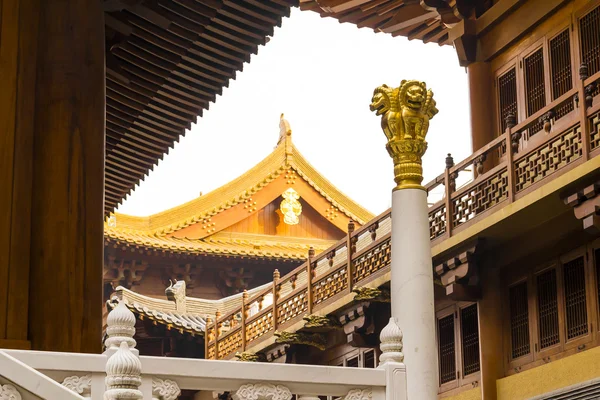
column 412, row 291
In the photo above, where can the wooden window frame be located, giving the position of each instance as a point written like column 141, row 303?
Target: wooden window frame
column 516, row 363
column 543, row 44
column 566, row 25
column 342, row 361
column 576, row 18
column 513, row 63
column 539, row 353
column 455, row 309
column 565, row 347
column 588, row 270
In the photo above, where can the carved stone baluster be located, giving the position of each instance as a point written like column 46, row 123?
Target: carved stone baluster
column 123, row 375
column 120, row 329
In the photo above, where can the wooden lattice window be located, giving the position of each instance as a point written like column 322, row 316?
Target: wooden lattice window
column 507, row 93
column 352, row 362
column 470, row 339
column 575, row 298
column 589, row 30
column 519, row 320
column 547, row 298
column 369, row 359
column 535, row 88
column 560, row 64
column 597, row 259
column 447, row 350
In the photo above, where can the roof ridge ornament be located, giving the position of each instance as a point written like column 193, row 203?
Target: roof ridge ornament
column 285, row 137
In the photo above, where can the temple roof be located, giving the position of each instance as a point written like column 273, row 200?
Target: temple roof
column 197, row 227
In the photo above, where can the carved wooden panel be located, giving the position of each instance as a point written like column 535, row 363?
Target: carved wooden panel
column 560, row 64
column 292, row 307
column 330, row 285
column 548, row 158
column 211, row 352
column 437, row 222
column 480, row 197
column 230, row 343
column 372, row 261
column 595, row 131
column 258, row 327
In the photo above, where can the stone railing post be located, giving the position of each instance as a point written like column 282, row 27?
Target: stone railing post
column 411, row 269
column 123, row 375
column 120, row 329
column 392, row 361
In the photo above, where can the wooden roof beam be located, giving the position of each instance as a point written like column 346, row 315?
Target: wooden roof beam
column 337, row 6
column 406, row 16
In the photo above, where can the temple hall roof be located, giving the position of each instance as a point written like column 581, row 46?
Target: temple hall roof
column 199, row 226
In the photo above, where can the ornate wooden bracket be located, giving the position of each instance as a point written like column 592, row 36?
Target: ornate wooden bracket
column 459, row 274
column 124, row 273
column 317, row 340
column 586, row 206
column 277, row 352
column 234, row 280
column 320, row 323
column 377, row 295
column 185, row 272
column 359, row 325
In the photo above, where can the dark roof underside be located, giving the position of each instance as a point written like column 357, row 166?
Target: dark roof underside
column 165, row 61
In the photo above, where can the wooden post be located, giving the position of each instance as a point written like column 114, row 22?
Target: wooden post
column 585, row 130
column 206, row 337
column 449, row 188
column 276, row 277
column 349, row 245
column 309, row 279
column 481, row 94
column 510, row 149
column 244, row 316
column 217, row 333
column 52, row 143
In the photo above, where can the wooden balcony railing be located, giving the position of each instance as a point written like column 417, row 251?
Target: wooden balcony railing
column 562, row 135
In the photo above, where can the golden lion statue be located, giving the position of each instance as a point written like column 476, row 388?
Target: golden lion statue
column 405, row 113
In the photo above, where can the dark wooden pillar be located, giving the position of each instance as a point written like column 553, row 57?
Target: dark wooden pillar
column 481, row 98
column 52, row 109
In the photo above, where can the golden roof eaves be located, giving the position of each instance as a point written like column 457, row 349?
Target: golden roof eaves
column 239, row 189
column 343, row 202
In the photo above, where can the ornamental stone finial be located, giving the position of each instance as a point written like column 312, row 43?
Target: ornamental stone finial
column 123, row 370
column 120, row 327
column 405, row 113
column 391, row 343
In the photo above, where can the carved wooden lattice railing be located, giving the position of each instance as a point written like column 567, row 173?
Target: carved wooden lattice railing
column 558, row 137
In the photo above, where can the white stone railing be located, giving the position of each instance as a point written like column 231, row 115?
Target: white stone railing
column 120, row 373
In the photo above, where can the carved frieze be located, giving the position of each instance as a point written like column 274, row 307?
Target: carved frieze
column 165, row 389
column 9, row 392
column 262, row 391
column 126, row 273
column 81, row 385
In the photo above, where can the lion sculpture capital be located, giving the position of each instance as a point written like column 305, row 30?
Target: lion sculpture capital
column 405, row 113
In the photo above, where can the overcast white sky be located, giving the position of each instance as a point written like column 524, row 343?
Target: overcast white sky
column 321, row 74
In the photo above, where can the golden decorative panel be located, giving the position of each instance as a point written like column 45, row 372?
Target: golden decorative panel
column 211, row 352
column 372, row 261
column 405, row 113
column 548, row 158
column 480, row 197
column 230, row 343
column 292, row 307
column 329, row 286
column 259, row 326
column 437, row 222
column 290, row 207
